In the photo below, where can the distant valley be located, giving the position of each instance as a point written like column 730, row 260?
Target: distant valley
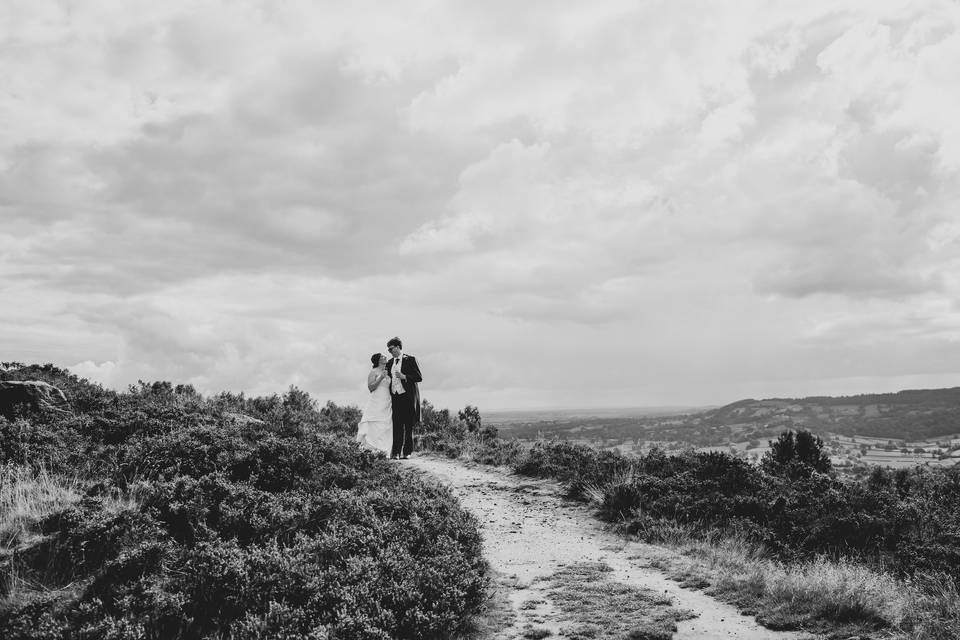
column 890, row 429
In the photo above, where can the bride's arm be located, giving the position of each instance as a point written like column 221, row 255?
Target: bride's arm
column 374, row 378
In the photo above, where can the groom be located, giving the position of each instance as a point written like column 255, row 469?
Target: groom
column 405, row 398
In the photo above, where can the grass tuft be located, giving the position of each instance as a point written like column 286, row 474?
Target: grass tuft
column 817, row 595
column 592, row 605
column 936, row 615
column 652, row 631
column 27, row 496
column 838, row 591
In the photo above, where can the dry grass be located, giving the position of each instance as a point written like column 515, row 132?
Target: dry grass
column 839, row 591
column 496, row 614
column 27, row 496
column 820, row 595
column 592, row 605
column 476, row 448
column 937, row 616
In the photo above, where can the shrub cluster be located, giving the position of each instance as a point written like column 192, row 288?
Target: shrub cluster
column 442, row 432
column 908, row 519
column 230, row 518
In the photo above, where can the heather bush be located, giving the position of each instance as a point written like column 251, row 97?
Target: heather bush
column 579, row 466
column 905, row 520
column 232, row 517
column 25, row 442
column 695, row 488
column 796, row 455
column 460, row 436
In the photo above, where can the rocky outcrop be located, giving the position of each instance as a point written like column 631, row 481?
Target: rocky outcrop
column 241, row 418
column 20, row 396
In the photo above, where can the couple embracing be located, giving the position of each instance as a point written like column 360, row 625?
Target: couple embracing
column 393, row 406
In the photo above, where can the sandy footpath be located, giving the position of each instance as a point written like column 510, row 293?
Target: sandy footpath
column 530, row 532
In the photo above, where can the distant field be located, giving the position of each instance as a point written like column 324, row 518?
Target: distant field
column 899, row 460
column 562, row 415
column 637, row 430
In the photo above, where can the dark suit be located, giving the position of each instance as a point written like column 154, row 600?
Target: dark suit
column 405, row 406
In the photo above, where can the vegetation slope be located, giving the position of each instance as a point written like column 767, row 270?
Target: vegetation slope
column 789, row 540
column 157, row 513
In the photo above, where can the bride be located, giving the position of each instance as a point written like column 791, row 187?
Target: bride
column 376, row 426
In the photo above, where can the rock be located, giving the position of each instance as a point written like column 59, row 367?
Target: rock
column 241, row 418
column 30, row 395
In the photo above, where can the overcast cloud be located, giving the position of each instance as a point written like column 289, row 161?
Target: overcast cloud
column 553, row 203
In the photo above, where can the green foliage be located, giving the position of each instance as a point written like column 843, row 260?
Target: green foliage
column 232, row 517
column 796, row 455
column 24, row 442
column 908, row 520
column 440, row 432
column 578, row 465
column 470, row 416
column 291, row 412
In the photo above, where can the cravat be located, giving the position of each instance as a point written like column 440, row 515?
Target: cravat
column 396, row 385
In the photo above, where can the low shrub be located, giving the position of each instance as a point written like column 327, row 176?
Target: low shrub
column 196, row 524
column 907, row 520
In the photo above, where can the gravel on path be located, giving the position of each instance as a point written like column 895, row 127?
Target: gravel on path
column 531, row 531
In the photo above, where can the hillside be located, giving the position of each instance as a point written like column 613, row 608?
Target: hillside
column 905, row 417
column 159, row 513
column 919, row 414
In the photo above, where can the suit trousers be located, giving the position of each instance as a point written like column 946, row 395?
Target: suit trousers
column 404, row 419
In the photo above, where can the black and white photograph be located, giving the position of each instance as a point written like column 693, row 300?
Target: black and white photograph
column 451, row 320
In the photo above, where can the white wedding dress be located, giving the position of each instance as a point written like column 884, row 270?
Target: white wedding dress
column 376, row 425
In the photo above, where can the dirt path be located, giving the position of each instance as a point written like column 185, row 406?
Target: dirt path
column 531, row 532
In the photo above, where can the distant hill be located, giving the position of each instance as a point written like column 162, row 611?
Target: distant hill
column 912, row 415
column 917, row 414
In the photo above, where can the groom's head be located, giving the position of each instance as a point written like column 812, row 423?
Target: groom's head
column 394, row 346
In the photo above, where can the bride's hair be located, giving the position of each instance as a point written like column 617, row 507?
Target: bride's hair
column 375, row 359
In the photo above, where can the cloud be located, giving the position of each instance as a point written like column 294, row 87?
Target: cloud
column 293, row 175
column 510, row 188
column 857, row 275
column 103, row 372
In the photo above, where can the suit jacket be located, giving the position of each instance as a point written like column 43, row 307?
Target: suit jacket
column 409, row 368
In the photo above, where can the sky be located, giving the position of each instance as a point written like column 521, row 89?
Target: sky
column 554, row 204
